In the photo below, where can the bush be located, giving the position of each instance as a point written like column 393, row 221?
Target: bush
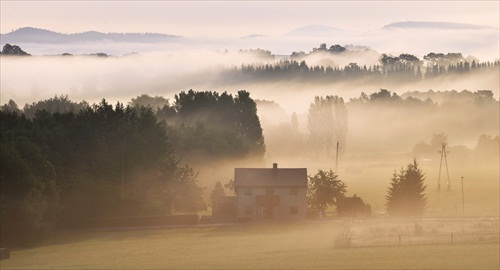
column 353, row 206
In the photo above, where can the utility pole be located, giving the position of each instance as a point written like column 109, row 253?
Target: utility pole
column 443, row 153
column 463, row 203
column 337, row 148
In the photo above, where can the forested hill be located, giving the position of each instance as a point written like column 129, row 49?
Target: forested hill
column 36, row 35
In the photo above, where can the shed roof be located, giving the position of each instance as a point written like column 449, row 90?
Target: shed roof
column 270, row 177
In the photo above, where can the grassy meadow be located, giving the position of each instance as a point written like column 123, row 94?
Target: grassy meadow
column 259, row 246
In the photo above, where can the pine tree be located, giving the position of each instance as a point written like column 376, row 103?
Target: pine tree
column 218, row 191
column 406, row 193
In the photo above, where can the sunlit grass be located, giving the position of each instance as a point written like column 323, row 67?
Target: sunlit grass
column 254, row 246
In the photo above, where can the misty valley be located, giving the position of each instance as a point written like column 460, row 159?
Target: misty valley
column 382, row 149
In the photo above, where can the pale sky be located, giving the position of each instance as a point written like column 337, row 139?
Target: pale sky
column 233, row 18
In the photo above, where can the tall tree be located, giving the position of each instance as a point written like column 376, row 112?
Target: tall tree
column 10, row 106
column 406, row 193
column 155, row 103
column 325, row 189
column 218, row 191
column 28, row 194
column 209, row 124
column 327, row 124
column 248, row 123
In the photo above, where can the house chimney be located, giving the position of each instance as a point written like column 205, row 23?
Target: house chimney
column 275, row 166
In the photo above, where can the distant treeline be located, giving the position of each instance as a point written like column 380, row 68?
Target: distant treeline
column 379, row 115
column 402, row 68
column 395, row 72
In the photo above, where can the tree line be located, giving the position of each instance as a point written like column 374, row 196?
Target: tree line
column 405, row 195
column 208, row 125
column 402, row 68
column 394, row 72
column 63, row 162
column 327, row 120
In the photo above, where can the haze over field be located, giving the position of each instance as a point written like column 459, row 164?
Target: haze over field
column 150, row 106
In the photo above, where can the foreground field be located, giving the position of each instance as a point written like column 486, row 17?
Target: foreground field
column 254, row 246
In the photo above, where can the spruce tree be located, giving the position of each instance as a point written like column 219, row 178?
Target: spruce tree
column 406, row 193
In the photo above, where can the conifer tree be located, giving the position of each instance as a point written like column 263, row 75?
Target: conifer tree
column 406, row 193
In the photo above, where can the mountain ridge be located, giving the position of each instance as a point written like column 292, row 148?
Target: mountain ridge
column 38, row 35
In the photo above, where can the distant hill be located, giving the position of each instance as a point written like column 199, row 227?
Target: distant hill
column 319, row 30
column 435, row 25
column 36, row 35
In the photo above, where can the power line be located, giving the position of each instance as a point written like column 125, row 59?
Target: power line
column 444, row 154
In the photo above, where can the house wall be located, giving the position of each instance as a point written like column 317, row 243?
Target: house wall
column 247, row 202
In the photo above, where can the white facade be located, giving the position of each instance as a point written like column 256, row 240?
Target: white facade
column 271, row 194
column 292, row 203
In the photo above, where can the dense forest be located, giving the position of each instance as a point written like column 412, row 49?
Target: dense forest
column 63, row 162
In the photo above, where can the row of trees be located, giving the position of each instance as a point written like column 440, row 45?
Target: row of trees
column 396, row 71
column 69, row 162
column 207, row 125
column 402, row 68
column 104, row 161
column 63, row 161
column 328, row 120
column 405, row 195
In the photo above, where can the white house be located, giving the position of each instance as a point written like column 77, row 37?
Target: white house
column 271, row 193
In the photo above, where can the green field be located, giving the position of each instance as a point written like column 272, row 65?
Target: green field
column 253, row 246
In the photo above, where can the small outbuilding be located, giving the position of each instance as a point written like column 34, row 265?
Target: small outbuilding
column 271, row 193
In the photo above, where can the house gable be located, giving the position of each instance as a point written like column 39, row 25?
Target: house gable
column 271, row 193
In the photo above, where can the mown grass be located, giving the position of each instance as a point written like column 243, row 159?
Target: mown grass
column 253, row 246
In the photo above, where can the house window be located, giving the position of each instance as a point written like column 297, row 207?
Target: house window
column 248, row 191
column 269, row 191
column 248, row 211
column 293, row 191
column 294, row 210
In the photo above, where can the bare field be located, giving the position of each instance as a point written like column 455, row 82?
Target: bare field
column 258, row 246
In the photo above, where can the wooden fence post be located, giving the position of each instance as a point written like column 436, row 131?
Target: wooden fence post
column 451, row 238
